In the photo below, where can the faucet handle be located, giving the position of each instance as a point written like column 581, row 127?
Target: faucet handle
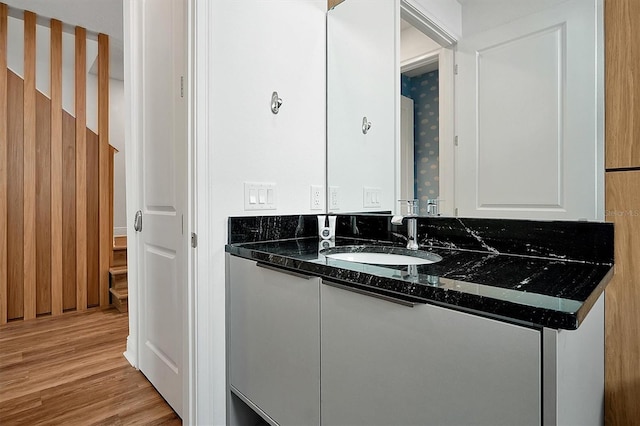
column 412, row 206
column 397, row 219
column 433, row 206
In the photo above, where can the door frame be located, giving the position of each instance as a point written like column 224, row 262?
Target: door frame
column 133, row 71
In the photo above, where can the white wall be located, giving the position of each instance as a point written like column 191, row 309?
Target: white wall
column 244, row 51
column 414, row 43
column 446, row 13
column 15, row 62
column 480, row 15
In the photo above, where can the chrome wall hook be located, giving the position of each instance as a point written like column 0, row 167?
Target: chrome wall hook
column 276, row 102
column 366, row 125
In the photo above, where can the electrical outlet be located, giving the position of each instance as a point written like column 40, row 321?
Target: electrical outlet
column 334, row 198
column 316, row 197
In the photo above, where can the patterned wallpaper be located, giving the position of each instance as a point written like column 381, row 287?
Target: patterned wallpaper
column 423, row 89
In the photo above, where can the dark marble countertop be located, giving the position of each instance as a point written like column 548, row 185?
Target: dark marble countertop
column 528, row 290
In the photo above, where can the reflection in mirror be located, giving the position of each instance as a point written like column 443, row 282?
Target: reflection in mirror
column 528, row 117
column 419, row 117
column 399, row 157
column 361, row 82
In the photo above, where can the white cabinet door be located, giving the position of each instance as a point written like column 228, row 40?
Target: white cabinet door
column 388, row 364
column 529, row 116
column 274, row 342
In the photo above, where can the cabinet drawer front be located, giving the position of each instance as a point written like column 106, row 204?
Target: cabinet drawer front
column 274, row 343
column 385, row 364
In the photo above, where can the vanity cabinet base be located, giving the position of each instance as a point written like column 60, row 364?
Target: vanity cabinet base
column 385, row 363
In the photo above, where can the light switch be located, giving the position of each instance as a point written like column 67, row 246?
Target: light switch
column 372, row 197
column 260, row 196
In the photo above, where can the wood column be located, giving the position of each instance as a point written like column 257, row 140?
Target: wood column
column 81, row 168
column 106, row 239
column 622, row 118
column 622, row 348
column 4, row 152
column 622, row 50
column 56, row 167
column 29, row 170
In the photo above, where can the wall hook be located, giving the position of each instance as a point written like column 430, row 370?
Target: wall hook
column 276, row 102
column 366, row 125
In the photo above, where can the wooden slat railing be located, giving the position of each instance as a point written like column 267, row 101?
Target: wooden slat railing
column 56, row 167
column 81, row 167
column 55, row 203
column 3, row 162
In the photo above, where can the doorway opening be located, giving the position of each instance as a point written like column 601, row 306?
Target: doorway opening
column 420, row 116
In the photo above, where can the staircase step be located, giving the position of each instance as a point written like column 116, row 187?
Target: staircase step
column 119, row 253
column 120, row 299
column 120, row 240
column 118, row 277
column 119, row 256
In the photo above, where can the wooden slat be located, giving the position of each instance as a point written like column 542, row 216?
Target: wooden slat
column 622, row 83
column 56, row 167
column 112, row 153
column 622, row 330
column 106, row 235
column 15, row 195
column 4, row 152
column 29, row 143
column 93, row 222
column 43, row 204
column 333, row 3
column 68, row 212
column 81, row 167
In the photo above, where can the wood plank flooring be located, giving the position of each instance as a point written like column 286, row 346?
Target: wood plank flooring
column 70, row 370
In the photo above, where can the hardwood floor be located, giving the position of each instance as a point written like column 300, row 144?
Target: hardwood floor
column 70, row 370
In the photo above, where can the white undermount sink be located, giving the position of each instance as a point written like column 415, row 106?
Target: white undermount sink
column 381, row 255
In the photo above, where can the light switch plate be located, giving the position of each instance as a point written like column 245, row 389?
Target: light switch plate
column 260, row 196
column 334, row 198
column 371, row 197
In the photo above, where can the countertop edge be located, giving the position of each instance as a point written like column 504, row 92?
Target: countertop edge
column 500, row 310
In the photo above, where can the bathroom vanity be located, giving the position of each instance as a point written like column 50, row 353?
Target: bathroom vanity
column 506, row 329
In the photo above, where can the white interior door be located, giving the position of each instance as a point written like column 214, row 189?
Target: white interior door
column 529, row 116
column 162, row 243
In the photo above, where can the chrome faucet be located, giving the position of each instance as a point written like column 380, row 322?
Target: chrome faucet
column 412, row 223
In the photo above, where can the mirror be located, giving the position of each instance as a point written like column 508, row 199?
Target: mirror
column 368, row 71
column 369, row 171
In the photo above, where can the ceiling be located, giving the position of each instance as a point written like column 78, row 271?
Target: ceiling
column 97, row 16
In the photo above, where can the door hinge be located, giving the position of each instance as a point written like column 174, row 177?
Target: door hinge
column 194, row 240
column 456, row 140
column 182, row 86
column 455, row 69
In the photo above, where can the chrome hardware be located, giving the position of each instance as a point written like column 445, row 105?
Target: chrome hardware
column 276, row 102
column 366, row 125
column 412, row 223
column 371, row 294
column 433, row 207
column 283, row 271
column 137, row 221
